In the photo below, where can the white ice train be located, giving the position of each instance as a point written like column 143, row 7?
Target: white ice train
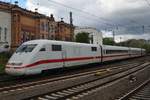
column 35, row 56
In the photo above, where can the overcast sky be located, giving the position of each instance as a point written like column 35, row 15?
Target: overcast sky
column 125, row 17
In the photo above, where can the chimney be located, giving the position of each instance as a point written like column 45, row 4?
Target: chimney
column 71, row 20
column 16, row 3
column 62, row 19
column 71, row 27
column 36, row 10
column 52, row 17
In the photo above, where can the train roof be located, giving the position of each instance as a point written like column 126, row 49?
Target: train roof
column 115, row 47
column 135, row 48
column 121, row 48
column 42, row 41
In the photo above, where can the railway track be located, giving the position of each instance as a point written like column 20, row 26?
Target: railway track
column 78, row 82
column 142, row 92
column 83, row 89
column 101, row 71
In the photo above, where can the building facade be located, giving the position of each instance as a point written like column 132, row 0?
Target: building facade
column 94, row 35
column 27, row 25
column 64, row 31
column 18, row 25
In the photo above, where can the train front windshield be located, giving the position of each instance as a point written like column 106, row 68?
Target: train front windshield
column 26, row 48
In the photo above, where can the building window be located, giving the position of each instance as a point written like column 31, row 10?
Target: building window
column 24, row 36
column 27, row 36
column 5, row 34
column 52, row 37
column 50, row 28
column 43, row 36
column 46, row 27
column 14, row 17
column 32, row 37
column 42, row 26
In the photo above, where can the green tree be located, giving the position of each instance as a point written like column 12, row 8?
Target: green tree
column 141, row 43
column 108, row 41
column 82, row 37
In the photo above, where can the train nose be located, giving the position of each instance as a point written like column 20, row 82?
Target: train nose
column 13, row 70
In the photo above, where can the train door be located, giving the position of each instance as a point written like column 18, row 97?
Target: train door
column 101, row 56
column 64, row 55
column 56, row 56
column 141, row 52
column 129, row 52
column 71, row 55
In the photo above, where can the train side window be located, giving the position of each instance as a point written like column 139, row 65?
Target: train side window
column 108, row 51
column 26, row 48
column 42, row 49
column 94, row 49
column 6, row 46
column 116, row 51
column 56, row 48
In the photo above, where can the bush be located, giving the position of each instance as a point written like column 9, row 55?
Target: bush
column 4, row 57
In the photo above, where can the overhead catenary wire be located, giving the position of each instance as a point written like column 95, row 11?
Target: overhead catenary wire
column 98, row 19
column 147, row 2
column 86, row 17
column 106, row 21
column 94, row 17
column 103, row 20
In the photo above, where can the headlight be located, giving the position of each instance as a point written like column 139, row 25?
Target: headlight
column 18, row 64
column 15, row 64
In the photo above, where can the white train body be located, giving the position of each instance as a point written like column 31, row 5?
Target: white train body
column 35, row 56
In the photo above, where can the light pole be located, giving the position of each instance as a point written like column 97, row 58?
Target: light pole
column 113, row 32
column 120, row 40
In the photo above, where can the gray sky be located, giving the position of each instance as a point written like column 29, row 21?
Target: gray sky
column 125, row 17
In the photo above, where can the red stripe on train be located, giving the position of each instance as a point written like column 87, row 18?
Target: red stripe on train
column 63, row 60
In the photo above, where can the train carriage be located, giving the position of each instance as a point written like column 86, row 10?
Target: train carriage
column 143, row 52
column 35, row 56
column 135, row 52
column 79, row 53
column 115, row 52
